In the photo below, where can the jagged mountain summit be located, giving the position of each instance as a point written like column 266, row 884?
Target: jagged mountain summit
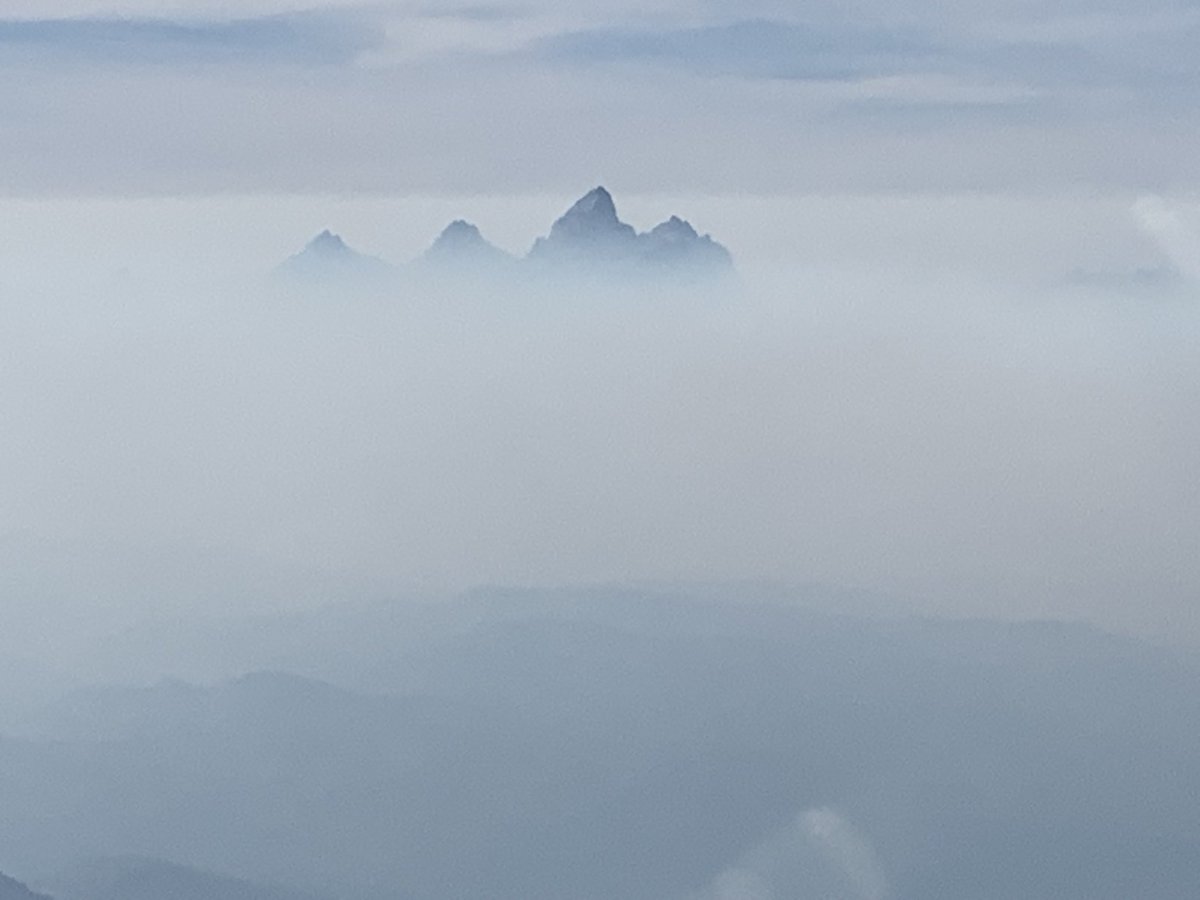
column 11, row 889
column 588, row 241
column 591, row 234
column 462, row 244
column 329, row 259
column 590, row 231
column 675, row 242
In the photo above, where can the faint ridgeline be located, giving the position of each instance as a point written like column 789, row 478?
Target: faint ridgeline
column 461, row 244
column 328, row 261
column 462, row 255
column 11, row 889
column 134, row 878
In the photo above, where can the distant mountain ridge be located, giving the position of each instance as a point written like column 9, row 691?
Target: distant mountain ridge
column 589, row 238
column 11, row 889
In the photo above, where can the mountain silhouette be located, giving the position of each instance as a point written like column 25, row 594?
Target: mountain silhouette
column 462, row 244
column 327, row 258
column 591, row 235
column 590, row 231
column 588, row 240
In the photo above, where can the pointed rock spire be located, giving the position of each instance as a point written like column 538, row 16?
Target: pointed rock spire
column 594, row 213
column 596, row 205
column 590, row 230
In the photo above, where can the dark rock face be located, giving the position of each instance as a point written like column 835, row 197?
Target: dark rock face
column 591, row 235
column 589, row 231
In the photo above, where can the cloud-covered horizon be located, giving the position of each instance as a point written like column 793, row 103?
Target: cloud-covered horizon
column 913, row 397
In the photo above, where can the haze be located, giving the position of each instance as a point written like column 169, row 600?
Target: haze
column 978, row 428
column 868, row 571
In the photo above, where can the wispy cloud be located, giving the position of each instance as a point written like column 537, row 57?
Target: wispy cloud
column 1153, row 63
column 849, row 850
column 318, row 38
column 1174, row 230
column 514, row 95
column 820, row 853
column 755, row 48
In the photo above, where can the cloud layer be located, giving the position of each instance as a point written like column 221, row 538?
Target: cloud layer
column 819, row 854
column 171, row 98
column 302, row 40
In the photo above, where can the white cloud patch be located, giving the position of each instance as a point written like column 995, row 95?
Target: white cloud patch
column 818, row 854
column 848, row 849
column 1176, row 230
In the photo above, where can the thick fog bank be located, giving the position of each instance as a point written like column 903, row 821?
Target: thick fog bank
column 243, row 654
column 989, row 448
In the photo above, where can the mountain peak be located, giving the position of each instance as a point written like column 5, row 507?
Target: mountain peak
column 675, row 229
column 591, row 235
column 458, row 235
column 594, row 213
column 461, row 228
column 328, row 258
column 595, row 204
column 590, row 229
column 461, row 242
column 675, row 244
column 328, row 243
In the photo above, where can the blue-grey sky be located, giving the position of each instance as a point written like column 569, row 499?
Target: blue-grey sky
column 143, row 97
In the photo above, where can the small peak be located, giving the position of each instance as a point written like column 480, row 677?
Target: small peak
column 327, row 242
column 461, row 241
column 460, row 230
column 675, row 228
column 675, row 244
column 327, row 257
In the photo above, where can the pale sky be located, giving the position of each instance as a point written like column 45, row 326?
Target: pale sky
column 128, row 97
